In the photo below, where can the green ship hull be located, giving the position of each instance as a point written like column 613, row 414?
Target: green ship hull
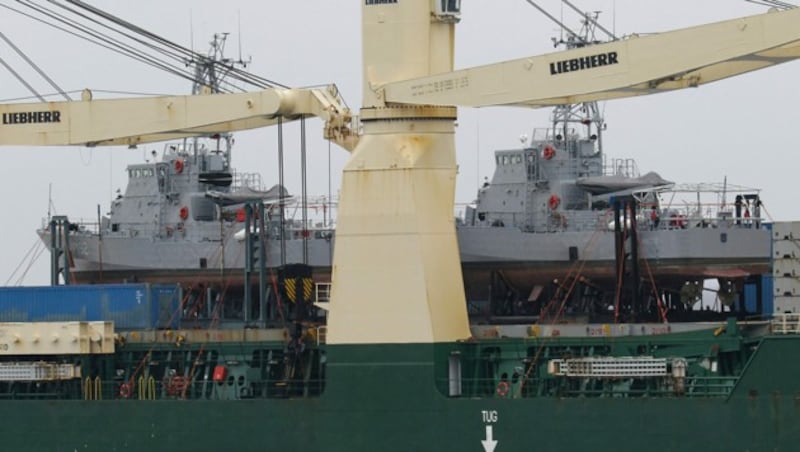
column 395, row 398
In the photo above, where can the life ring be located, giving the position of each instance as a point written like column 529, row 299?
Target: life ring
column 503, row 388
column 553, row 202
column 178, row 166
column 125, row 391
column 184, row 213
column 677, row 221
column 177, row 385
column 548, row 152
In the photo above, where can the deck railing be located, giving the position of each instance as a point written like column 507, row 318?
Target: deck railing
column 662, row 387
column 785, row 324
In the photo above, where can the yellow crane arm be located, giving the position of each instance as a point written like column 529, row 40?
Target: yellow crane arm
column 133, row 121
column 630, row 67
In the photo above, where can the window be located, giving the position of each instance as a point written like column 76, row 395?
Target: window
column 454, row 375
column 448, row 11
column 451, row 6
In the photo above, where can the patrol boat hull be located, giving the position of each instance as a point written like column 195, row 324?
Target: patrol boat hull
column 669, row 257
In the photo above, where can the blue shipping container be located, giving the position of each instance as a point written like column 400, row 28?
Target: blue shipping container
column 129, row 306
column 750, row 293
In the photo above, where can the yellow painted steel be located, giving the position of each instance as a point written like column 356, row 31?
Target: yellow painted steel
column 87, row 389
column 151, row 387
column 142, row 120
column 147, row 388
column 56, row 338
column 396, row 255
column 401, row 42
column 645, row 65
column 291, row 291
column 308, row 288
column 98, row 388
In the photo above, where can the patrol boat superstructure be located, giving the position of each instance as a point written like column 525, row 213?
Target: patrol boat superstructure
column 182, row 218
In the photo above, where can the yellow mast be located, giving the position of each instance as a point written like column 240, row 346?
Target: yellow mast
column 396, row 271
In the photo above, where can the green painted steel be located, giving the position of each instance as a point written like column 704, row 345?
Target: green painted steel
column 386, row 397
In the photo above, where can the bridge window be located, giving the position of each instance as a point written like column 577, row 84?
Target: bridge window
column 448, row 11
column 451, row 6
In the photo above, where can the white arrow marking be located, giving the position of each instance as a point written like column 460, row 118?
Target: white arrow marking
column 489, row 444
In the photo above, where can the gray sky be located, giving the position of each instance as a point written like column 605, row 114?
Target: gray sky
column 744, row 128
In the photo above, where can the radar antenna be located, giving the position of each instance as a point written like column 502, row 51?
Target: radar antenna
column 563, row 27
column 592, row 19
column 585, row 114
column 209, row 74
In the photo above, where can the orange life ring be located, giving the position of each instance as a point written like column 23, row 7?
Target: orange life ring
column 553, row 202
column 125, row 391
column 503, row 388
column 548, row 152
column 179, row 166
column 184, row 213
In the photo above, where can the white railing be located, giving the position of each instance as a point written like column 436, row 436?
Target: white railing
column 620, row 167
column 322, row 334
column 322, row 292
column 615, row 367
column 785, row 324
column 83, row 225
column 247, row 180
column 38, row 371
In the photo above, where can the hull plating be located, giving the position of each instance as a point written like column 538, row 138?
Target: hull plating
column 384, row 398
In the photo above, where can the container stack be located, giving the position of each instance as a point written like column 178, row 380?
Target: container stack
column 128, row 306
column 786, row 267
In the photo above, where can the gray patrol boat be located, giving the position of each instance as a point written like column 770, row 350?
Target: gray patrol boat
column 182, row 218
column 563, row 228
column 560, row 220
column 560, row 227
column 188, row 216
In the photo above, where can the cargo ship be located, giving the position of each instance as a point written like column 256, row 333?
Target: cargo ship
column 391, row 361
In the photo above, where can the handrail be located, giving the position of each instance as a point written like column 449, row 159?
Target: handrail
column 788, row 323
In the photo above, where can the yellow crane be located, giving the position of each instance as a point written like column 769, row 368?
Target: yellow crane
column 130, row 122
column 396, row 254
